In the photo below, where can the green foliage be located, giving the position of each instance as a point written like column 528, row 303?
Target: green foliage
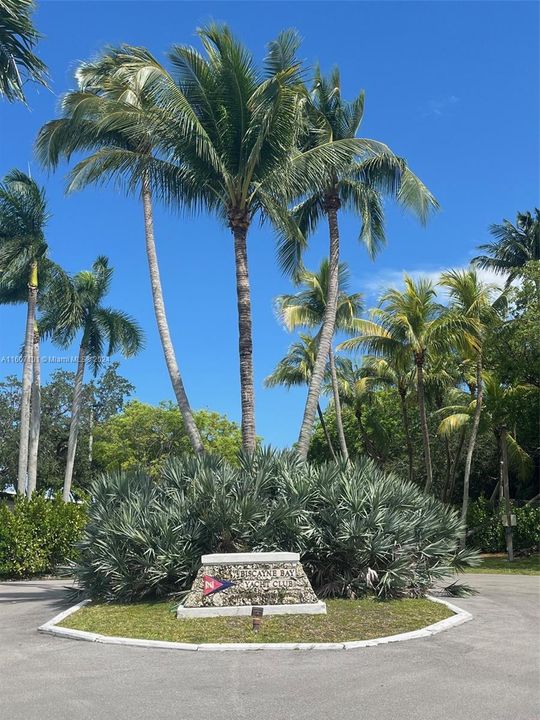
column 359, row 531
column 38, row 535
column 146, row 436
column 105, row 395
column 484, row 521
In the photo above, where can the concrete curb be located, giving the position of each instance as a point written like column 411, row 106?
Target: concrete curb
column 51, row 628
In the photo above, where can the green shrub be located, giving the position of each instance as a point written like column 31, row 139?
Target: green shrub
column 37, row 535
column 357, row 529
column 487, row 531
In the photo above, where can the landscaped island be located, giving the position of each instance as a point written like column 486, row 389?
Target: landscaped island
column 345, row 620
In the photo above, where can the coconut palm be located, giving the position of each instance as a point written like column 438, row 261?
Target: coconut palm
column 395, row 370
column 295, row 370
column 356, row 392
column 23, row 265
column 18, row 37
column 470, row 297
column 104, row 331
column 513, row 246
column 228, row 137
column 108, row 115
column 412, row 322
column 307, row 308
column 358, row 188
column 501, row 406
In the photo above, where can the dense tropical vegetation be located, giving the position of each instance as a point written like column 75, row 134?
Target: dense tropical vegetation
column 438, row 384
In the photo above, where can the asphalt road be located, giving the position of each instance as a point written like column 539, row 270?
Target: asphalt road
column 486, row 669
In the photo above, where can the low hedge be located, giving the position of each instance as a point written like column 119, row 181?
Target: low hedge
column 487, row 531
column 38, row 535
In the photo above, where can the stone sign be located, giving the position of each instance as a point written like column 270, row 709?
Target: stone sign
column 232, row 583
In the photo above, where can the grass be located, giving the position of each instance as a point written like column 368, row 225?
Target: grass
column 499, row 564
column 345, row 620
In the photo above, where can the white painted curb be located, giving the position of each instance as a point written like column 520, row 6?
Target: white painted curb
column 51, row 627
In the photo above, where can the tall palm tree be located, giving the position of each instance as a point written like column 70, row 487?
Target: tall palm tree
column 227, row 136
column 307, row 308
column 513, row 246
column 100, row 327
column 412, row 322
column 23, row 260
column 357, row 187
column 395, row 370
column 470, row 297
column 18, row 37
column 295, row 370
column 109, row 115
column 501, row 407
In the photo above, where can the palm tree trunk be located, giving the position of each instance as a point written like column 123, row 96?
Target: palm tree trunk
column 91, row 436
column 163, row 326
column 325, row 430
column 506, row 492
column 423, row 422
column 453, row 472
column 26, row 389
column 337, row 405
column 35, row 416
column 239, row 224
column 74, row 424
column 470, row 448
column 331, row 207
column 407, row 429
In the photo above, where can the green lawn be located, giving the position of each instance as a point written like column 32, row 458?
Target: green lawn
column 346, row 620
column 499, row 564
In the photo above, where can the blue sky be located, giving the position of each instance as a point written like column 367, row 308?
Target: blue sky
column 451, row 86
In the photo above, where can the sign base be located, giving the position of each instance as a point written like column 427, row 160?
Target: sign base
column 318, row 608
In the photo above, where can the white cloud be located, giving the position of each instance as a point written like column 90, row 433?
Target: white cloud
column 438, row 106
column 390, row 277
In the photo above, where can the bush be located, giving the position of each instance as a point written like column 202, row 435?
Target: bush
column 487, row 531
column 38, row 535
column 357, row 529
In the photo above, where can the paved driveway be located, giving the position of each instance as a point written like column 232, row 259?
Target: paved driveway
column 486, row 669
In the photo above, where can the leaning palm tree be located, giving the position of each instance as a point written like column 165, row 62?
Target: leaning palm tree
column 412, row 322
column 358, row 188
column 295, row 370
column 307, row 308
column 470, row 297
column 513, row 246
column 104, row 331
column 502, row 404
column 109, row 115
column 18, row 37
column 23, row 264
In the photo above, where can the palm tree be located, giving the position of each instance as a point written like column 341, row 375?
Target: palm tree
column 109, row 115
column 413, row 323
column 100, row 326
column 23, row 259
column 295, row 370
column 228, row 137
column 513, row 246
column 356, row 391
column 18, row 37
column 307, row 308
column 357, row 187
column 395, row 370
column 470, row 297
column 501, row 406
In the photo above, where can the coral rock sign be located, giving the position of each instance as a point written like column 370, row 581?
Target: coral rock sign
column 232, row 583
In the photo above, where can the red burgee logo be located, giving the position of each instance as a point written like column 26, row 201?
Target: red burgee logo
column 212, row 585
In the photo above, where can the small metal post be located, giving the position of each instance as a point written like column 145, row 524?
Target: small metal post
column 256, row 614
